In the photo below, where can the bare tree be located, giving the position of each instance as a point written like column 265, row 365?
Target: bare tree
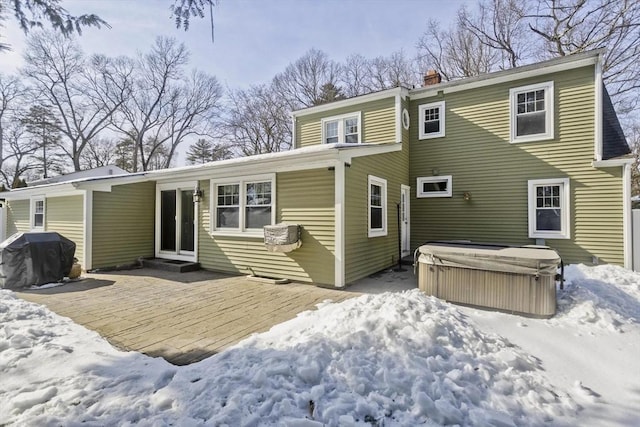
column 500, row 26
column 43, row 129
column 572, row 26
column 12, row 96
column 355, row 75
column 99, row 152
column 166, row 106
column 302, row 81
column 258, row 121
column 84, row 94
column 18, row 151
column 455, row 52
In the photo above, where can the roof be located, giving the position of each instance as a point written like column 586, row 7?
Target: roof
column 614, row 144
column 317, row 156
column 100, row 171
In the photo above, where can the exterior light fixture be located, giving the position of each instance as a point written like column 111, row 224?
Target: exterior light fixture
column 466, row 195
column 197, row 195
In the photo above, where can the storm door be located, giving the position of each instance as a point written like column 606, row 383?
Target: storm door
column 176, row 221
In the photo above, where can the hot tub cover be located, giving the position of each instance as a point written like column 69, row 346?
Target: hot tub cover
column 35, row 259
column 533, row 260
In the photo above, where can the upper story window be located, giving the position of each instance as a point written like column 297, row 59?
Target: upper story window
column 532, row 112
column 377, row 206
column 549, row 208
column 243, row 205
column 37, row 213
column 431, row 120
column 342, row 129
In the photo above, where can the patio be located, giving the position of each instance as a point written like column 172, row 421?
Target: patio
column 188, row 317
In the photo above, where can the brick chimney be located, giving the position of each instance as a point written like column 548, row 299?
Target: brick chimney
column 431, row 78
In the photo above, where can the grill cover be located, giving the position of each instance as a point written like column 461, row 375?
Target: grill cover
column 35, row 259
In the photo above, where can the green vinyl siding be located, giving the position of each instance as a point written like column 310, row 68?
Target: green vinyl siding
column 378, row 123
column 477, row 153
column 18, row 217
column 65, row 215
column 305, row 198
column 123, row 224
column 366, row 255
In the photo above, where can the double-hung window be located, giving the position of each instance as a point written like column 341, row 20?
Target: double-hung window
column 341, row 129
column 431, row 120
column 532, row 112
column 37, row 213
column 549, row 209
column 377, row 205
column 243, row 205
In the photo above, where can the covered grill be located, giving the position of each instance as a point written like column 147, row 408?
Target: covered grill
column 513, row 279
column 35, row 259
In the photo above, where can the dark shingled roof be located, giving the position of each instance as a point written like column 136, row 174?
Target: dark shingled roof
column 614, row 144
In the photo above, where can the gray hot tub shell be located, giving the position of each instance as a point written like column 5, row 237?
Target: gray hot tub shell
column 513, row 279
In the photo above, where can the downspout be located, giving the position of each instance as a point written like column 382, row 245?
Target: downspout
column 87, row 218
column 339, row 201
column 626, row 216
column 598, row 110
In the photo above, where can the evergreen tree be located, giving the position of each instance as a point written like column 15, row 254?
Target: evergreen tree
column 44, row 130
column 204, row 151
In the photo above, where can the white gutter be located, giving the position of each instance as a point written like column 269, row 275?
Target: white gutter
column 388, row 93
column 598, row 110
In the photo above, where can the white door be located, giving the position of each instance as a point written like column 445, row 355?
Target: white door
column 405, row 244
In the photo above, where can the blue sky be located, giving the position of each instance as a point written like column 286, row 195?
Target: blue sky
column 254, row 39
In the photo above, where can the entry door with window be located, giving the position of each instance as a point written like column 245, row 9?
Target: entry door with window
column 176, row 222
column 405, row 243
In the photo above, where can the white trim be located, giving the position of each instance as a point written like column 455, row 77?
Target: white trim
column 406, row 119
column 339, row 220
column 242, row 182
column 87, row 217
column 432, row 179
column 441, row 113
column 177, row 254
column 407, row 191
column 564, row 63
column 549, row 107
column 598, row 111
column 32, row 202
column 398, row 120
column 627, row 226
column 612, row 162
column 388, row 93
column 341, row 119
column 565, row 209
column 293, row 132
column 382, row 183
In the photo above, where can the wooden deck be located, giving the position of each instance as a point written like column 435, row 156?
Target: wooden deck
column 183, row 317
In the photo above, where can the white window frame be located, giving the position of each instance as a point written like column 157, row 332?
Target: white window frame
column 32, row 213
column 565, row 209
column 426, row 179
column 377, row 232
column 548, row 88
column 242, row 182
column 422, row 134
column 341, row 119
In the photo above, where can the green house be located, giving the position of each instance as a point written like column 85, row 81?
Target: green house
column 531, row 155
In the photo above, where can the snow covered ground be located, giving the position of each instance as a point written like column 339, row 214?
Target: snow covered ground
column 392, row 359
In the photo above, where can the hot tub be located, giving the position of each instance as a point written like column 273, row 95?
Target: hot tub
column 518, row 280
